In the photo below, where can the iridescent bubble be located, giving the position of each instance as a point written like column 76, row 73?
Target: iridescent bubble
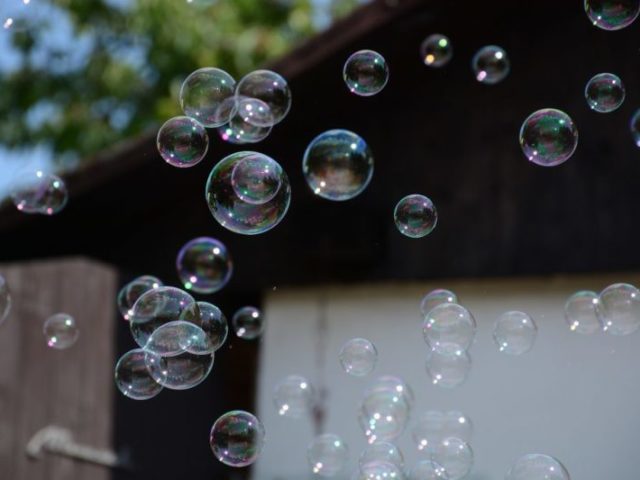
column 182, row 142
column 385, row 452
column 449, row 324
column 634, row 125
column 458, row 425
column 327, row 455
column 515, row 333
column 248, row 323
column 379, row 471
column 436, row 51
column 237, row 438
column 429, row 430
column 384, row 411
column 203, row 92
column 435, row 298
column 204, row 265
column 61, row 331
column 177, row 337
column 620, row 309
column 214, row 324
column 236, row 214
column 491, row 65
column 269, row 87
column 246, row 122
column 548, row 137
column 455, row 456
column 536, row 466
column 254, row 111
column 612, row 14
column 366, row 73
column 183, row 371
column 605, row 92
column 581, row 312
column 448, row 366
column 5, row 299
column 294, row 397
column 358, row 357
column 338, row 165
column 428, row 470
column 41, row 193
column 256, row 179
column 132, row 291
column 415, row 216
column 133, row 378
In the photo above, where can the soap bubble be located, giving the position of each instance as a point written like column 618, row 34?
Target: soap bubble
column 204, row 265
column 177, row 337
column 384, row 452
column 581, row 312
column 132, row 291
column 384, row 411
column 428, row 470
column 254, row 111
column 327, row 455
column 605, row 92
column 237, row 438
column 548, row 137
column 182, row 142
column 236, row 214
column 214, row 324
column 455, row 456
column 338, row 165
column 449, row 324
column 448, row 366
column 379, row 471
column 203, row 92
column 435, row 298
column 537, row 466
column 394, row 384
column 41, row 193
column 256, row 179
column 415, row 216
column 294, row 397
column 358, row 357
column 61, row 331
column 132, row 375
column 5, row 299
column 515, row 333
column 620, row 309
column 491, row 65
column 183, row 371
column 366, row 73
column 612, row 14
column 248, row 323
column 269, row 87
column 458, row 425
column 250, row 121
column 429, row 430
column 436, row 51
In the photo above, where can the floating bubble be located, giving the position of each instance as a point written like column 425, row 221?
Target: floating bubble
column 435, row 298
column 294, row 397
column 177, row 337
column 537, row 466
column 455, row 456
column 203, row 92
column 612, row 14
column 250, row 121
column 270, row 88
column 214, row 324
column 634, row 125
column 248, row 323
column 384, row 452
column 449, row 324
column 358, row 357
column 237, row 438
column 61, row 331
column 620, row 309
column 448, row 366
column 415, row 216
column 327, row 455
column 366, row 73
column 254, row 111
column 428, row 470
column 379, row 471
column 548, row 137
column 515, row 333
column 204, row 265
column 256, row 179
column 436, row 51
column 182, row 142
column 236, row 214
column 384, row 411
column 132, row 375
column 132, row 291
column 605, row 92
column 338, row 165
column 40, row 193
column 5, row 299
column 394, row 384
column 581, row 312
column 183, row 371
column 458, row 425
column 429, row 430
column 491, row 65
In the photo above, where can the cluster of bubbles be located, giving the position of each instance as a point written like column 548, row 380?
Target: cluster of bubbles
column 40, row 193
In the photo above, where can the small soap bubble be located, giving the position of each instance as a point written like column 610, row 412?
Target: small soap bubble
column 248, row 323
column 204, row 265
column 428, row 470
column 61, row 331
column 256, row 179
column 491, row 65
column 581, row 312
column 385, row 452
column 182, row 142
column 269, row 87
column 237, row 438
column 620, row 309
column 634, row 126
column 436, row 51
column 214, row 324
column 40, row 193
column 449, row 324
column 132, row 375
column 455, row 456
column 183, row 371
column 294, row 397
column 5, row 299
column 132, row 291
column 358, row 357
column 515, row 333
column 448, row 366
column 605, row 92
column 548, row 137
column 379, row 471
column 177, row 337
column 415, row 216
column 385, row 409
column 366, row 73
column 203, row 92
column 436, row 297
column 338, row 165
column 612, row 14
column 536, row 466
column 327, row 455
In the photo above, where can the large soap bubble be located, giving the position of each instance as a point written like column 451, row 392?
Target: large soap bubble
column 237, row 438
column 612, row 14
